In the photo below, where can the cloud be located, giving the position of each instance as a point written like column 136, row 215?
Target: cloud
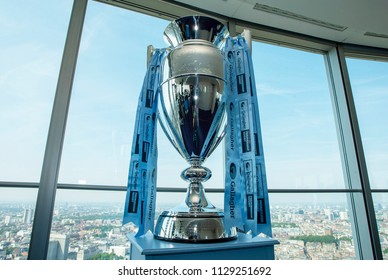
column 264, row 89
column 369, row 80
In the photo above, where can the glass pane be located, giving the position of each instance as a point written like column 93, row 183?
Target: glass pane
column 381, row 208
column 110, row 72
column 308, row 226
column 299, row 134
column 369, row 81
column 16, row 217
column 311, row 227
column 32, row 37
column 87, row 225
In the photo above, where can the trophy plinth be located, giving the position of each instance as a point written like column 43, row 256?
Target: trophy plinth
column 192, row 115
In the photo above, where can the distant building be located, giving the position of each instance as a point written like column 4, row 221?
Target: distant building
column 120, row 251
column 28, row 215
column 344, row 215
column 378, row 207
column 329, row 214
column 58, row 247
column 7, row 220
column 2, row 254
column 88, row 253
column 328, row 231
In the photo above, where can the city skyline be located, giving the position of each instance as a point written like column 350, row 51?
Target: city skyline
column 95, row 229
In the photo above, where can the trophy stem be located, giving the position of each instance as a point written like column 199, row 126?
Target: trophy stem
column 195, row 197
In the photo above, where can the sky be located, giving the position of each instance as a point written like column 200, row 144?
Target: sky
column 370, row 90
column 299, row 134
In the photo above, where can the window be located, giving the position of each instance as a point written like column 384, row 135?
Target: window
column 381, row 208
column 301, row 153
column 369, row 81
column 312, row 226
column 32, row 37
column 31, row 42
column 87, row 225
column 98, row 140
column 297, row 121
column 16, row 217
column 370, row 90
column 110, row 71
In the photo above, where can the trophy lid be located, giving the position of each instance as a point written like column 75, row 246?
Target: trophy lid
column 195, row 27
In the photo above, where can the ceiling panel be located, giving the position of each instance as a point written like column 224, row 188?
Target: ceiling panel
column 358, row 16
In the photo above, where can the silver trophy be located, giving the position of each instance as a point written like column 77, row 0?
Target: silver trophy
column 192, row 115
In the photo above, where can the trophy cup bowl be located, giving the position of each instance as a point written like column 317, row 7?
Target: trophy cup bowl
column 192, row 115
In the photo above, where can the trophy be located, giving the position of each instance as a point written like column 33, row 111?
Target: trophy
column 192, row 115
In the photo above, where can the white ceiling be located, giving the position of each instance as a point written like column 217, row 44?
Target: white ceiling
column 356, row 16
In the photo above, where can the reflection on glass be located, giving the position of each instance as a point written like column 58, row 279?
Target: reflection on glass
column 369, row 81
column 299, row 135
column 32, row 37
column 381, row 208
column 312, row 227
column 16, row 217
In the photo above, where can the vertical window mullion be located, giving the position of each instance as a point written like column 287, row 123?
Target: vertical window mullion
column 353, row 160
column 48, row 183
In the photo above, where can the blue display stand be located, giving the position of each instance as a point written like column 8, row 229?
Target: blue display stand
column 243, row 248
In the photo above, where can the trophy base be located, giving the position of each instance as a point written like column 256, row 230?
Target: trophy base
column 191, row 227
